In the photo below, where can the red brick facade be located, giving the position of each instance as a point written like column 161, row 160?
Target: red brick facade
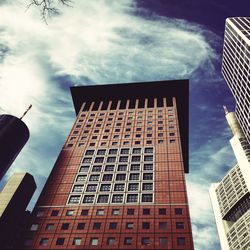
column 118, row 182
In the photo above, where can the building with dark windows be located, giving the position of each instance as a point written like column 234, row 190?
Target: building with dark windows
column 119, row 181
column 236, row 67
column 13, row 136
column 14, row 198
column 231, row 197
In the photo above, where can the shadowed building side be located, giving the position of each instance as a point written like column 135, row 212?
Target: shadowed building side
column 13, row 136
column 14, row 199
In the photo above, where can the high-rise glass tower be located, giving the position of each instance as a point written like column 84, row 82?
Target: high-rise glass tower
column 119, row 182
column 236, row 67
column 13, row 136
column 231, row 197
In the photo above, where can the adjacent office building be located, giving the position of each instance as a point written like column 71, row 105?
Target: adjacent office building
column 119, row 181
column 13, row 136
column 231, row 198
column 14, row 199
column 236, row 67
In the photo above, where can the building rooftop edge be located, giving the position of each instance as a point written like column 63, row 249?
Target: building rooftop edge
column 139, row 90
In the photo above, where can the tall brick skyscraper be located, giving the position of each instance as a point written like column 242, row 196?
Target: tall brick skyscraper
column 119, row 182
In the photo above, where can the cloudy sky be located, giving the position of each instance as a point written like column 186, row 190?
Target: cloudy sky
column 110, row 41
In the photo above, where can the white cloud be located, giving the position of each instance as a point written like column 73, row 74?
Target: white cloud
column 105, row 42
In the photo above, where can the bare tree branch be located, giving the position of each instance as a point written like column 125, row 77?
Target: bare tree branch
column 49, row 8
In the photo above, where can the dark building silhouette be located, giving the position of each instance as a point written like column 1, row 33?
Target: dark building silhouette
column 14, row 199
column 13, row 135
column 119, row 180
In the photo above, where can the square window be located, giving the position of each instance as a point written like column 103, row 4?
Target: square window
column 105, row 187
column 136, row 158
column 111, row 159
column 92, row 144
column 114, row 143
column 121, row 177
column 134, row 176
column 135, row 167
column 145, row 225
column 148, row 166
column 110, row 241
column 40, row 213
column 178, row 211
column 112, row 225
column 113, row 151
column 97, row 168
column 148, row 142
column 147, row 197
column 101, row 152
column 117, row 198
column 162, row 225
column 74, row 199
column 78, row 188
column 122, row 168
column 137, row 142
column 65, row 226
column 115, row 211
column 130, row 211
column 129, row 225
column 148, row 158
column 160, row 141
column 145, row 241
column 107, row 177
column 100, row 212
column 147, row 186
column 49, row 226
column 84, row 169
column 60, row 241
column 133, row 187
column 123, row 159
column 180, row 241
column 89, row 152
column 84, row 212
column 54, row 212
column 119, row 187
column 124, row 151
column 81, row 178
column 88, row 198
column 179, row 225
column 132, row 198
column 70, row 213
column 94, row 177
column 103, row 199
column 99, row 159
column 172, row 140
column 148, row 150
column 80, row 226
column 146, row 211
column 97, row 225
column 163, row 241
column 94, row 241
column 148, row 176
column 44, row 242
column 109, row 168
column 162, row 211
column 34, row 227
column 128, row 241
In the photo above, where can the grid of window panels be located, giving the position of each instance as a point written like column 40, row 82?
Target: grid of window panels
column 236, row 67
column 114, row 176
